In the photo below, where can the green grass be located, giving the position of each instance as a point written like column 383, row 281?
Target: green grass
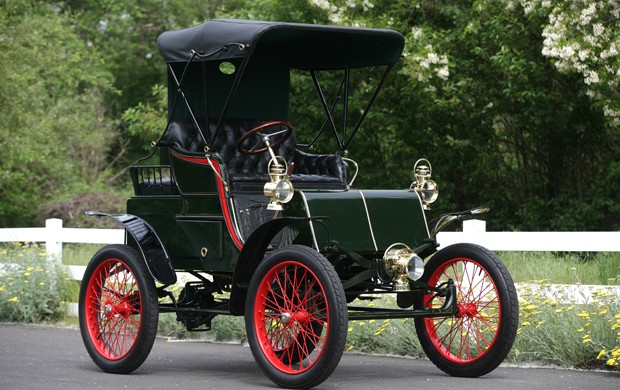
column 79, row 254
column 567, row 268
column 563, row 268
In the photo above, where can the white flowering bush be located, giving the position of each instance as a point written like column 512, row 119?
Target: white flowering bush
column 337, row 10
column 583, row 36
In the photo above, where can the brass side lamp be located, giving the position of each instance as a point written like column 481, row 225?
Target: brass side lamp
column 425, row 187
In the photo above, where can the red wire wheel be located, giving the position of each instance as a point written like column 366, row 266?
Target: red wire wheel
column 478, row 338
column 296, row 317
column 118, row 309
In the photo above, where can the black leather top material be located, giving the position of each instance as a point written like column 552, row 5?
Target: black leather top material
column 250, row 172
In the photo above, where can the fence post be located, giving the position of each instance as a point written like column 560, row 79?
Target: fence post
column 474, row 226
column 53, row 242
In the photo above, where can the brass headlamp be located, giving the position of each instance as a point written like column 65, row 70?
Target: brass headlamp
column 401, row 264
column 425, row 187
column 279, row 188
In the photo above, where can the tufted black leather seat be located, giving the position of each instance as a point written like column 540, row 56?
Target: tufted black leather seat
column 250, row 172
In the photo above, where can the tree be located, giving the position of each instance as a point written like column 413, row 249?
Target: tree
column 479, row 97
column 583, row 37
column 124, row 33
column 520, row 136
column 53, row 133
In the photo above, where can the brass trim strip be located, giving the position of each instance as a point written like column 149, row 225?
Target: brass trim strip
column 423, row 213
column 303, row 197
column 372, row 233
column 233, row 212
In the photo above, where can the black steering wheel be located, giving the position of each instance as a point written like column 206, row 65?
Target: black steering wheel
column 283, row 136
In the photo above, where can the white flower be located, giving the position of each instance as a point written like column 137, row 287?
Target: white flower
column 102, row 25
column 610, row 112
column 443, row 73
column 366, row 4
column 598, row 29
column 323, row 4
column 592, row 77
column 417, row 32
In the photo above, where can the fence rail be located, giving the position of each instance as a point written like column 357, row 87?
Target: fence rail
column 54, row 235
column 474, row 231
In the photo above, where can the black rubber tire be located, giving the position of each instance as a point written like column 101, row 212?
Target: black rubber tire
column 447, row 341
column 118, row 309
column 269, row 322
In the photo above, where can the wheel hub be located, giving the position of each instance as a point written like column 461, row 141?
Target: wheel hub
column 122, row 309
column 467, row 310
column 285, row 318
column 301, row 317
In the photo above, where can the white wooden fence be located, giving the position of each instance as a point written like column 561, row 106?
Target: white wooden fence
column 54, row 235
column 474, row 231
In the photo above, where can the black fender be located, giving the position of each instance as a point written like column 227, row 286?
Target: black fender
column 151, row 247
column 250, row 257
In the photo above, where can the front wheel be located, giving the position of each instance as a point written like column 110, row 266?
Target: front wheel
column 118, row 309
column 296, row 317
column 478, row 338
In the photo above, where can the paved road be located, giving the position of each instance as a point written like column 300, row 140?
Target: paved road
column 35, row 357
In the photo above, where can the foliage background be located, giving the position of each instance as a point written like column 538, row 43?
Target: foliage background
column 514, row 102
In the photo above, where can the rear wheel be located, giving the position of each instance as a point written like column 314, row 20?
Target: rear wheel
column 118, row 309
column 478, row 338
column 296, row 317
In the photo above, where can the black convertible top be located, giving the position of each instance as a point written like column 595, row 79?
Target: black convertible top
column 301, row 46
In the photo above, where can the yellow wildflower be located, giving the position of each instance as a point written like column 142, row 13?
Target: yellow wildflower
column 29, row 268
column 27, row 274
column 530, row 307
column 601, row 354
column 14, row 299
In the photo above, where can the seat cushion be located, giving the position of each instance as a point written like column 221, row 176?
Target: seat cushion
column 250, row 172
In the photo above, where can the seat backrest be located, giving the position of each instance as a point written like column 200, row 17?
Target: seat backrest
column 185, row 137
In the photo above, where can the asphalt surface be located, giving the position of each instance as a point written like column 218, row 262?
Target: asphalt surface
column 36, row 357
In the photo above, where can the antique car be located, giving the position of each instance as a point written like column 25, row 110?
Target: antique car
column 272, row 231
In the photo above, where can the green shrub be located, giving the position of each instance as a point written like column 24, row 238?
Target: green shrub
column 32, row 289
column 556, row 330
